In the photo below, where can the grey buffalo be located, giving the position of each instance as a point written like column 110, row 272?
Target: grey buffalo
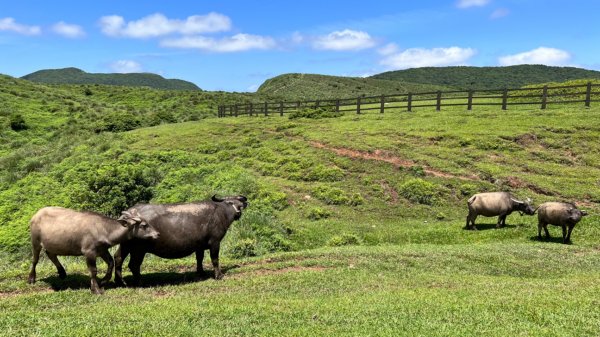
column 63, row 231
column 565, row 215
column 184, row 228
column 500, row 204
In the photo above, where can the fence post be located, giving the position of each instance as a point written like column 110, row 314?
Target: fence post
column 544, row 96
column 317, row 104
column 337, row 105
column 280, row 108
column 588, row 94
column 358, row 105
column 266, row 108
column 382, row 107
column 219, row 111
column 470, row 100
column 438, row 104
column 251, row 107
column 298, row 106
column 236, row 110
column 504, row 98
column 409, row 102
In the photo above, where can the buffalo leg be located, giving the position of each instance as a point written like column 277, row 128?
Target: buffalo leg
column 135, row 264
column 110, row 265
column 59, row 268
column 546, row 231
column 214, row 257
column 199, row 259
column 120, row 256
column 564, row 233
column 36, row 248
column 568, row 240
column 91, row 263
column 501, row 220
column 540, row 226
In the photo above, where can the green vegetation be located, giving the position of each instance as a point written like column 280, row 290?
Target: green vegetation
column 78, row 76
column 294, row 87
column 354, row 225
column 463, row 77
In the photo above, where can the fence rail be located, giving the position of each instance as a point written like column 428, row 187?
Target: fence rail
column 542, row 96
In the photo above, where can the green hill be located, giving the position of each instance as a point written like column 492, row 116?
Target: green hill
column 311, row 86
column 78, row 76
column 463, row 77
column 354, row 225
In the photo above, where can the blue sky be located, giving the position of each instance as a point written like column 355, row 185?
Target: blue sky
column 235, row 45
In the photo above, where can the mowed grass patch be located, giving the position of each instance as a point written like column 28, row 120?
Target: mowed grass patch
column 485, row 289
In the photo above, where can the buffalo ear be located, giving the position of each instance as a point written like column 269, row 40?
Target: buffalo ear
column 570, row 210
column 584, row 213
column 215, row 199
column 242, row 198
column 129, row 218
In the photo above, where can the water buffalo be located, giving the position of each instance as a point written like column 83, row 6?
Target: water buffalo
column 559, row 214
column 499, row 204
column 184, row 229
column 63, row 231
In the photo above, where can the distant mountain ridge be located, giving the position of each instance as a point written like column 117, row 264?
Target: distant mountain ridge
column 78, row 76
column 313, row 86
column 463, row 77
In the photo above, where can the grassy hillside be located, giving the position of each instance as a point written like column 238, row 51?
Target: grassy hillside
column 78, row 76
column 488, row 77
column 354, row 225
column 310, row 86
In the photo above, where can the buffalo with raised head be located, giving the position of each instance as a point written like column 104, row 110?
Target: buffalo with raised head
column 500, row 204
column 184, row 229
column 62, row 231
column 563, row 214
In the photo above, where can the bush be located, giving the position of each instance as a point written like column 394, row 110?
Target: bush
column 17, row 122
column 344, row 239
column 335, row 196
column 324, row 173
column 420, row 191
column 315, row 113
column 318, row 213
column 243, row 248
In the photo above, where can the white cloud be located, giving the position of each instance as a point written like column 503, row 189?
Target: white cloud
column 126, row 66
column 471, row 3
column 435, row 57
column 541, row 55
column 499, row 13
column 344, row 40
column 235, row 43
column 156, row 25
column 68, row 30
column 388, row 49
column 9, row 24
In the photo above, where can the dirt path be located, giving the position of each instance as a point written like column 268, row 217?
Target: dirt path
column 383, row 156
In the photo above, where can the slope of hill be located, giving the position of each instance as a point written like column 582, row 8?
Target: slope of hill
column 311, row 86
column 78, row 76
column 463, row 77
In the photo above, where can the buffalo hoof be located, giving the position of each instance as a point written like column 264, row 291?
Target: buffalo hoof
column 62, row 275
column 98, row 291
column 218, row 276
column 120, row 283
column 31, row 280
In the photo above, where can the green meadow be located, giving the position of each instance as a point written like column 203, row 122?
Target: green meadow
column 355, row 223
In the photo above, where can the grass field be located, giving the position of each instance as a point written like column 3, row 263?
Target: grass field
column 390, row 189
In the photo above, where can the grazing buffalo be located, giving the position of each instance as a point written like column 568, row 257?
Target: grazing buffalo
column 499, row 204
column 184, row 229
column 558, row 214
column 62, row 231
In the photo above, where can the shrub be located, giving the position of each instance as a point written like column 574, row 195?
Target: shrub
column 315, row 113
column 17, row 122
column 324, row 173
column 318, row 213
column 335, row 196
column 344, row 239
column 243, row 248
column 419, row 190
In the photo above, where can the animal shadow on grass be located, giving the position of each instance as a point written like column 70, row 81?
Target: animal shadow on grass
column 72, row 282
column 554, row 239
column 157, row 279
column 488, row 226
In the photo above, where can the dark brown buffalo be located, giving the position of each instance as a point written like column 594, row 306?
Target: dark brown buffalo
column 184, row 229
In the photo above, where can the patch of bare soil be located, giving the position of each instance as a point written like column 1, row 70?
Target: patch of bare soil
column 383, row 156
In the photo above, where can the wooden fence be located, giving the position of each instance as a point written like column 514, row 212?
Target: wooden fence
column 541, row 96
